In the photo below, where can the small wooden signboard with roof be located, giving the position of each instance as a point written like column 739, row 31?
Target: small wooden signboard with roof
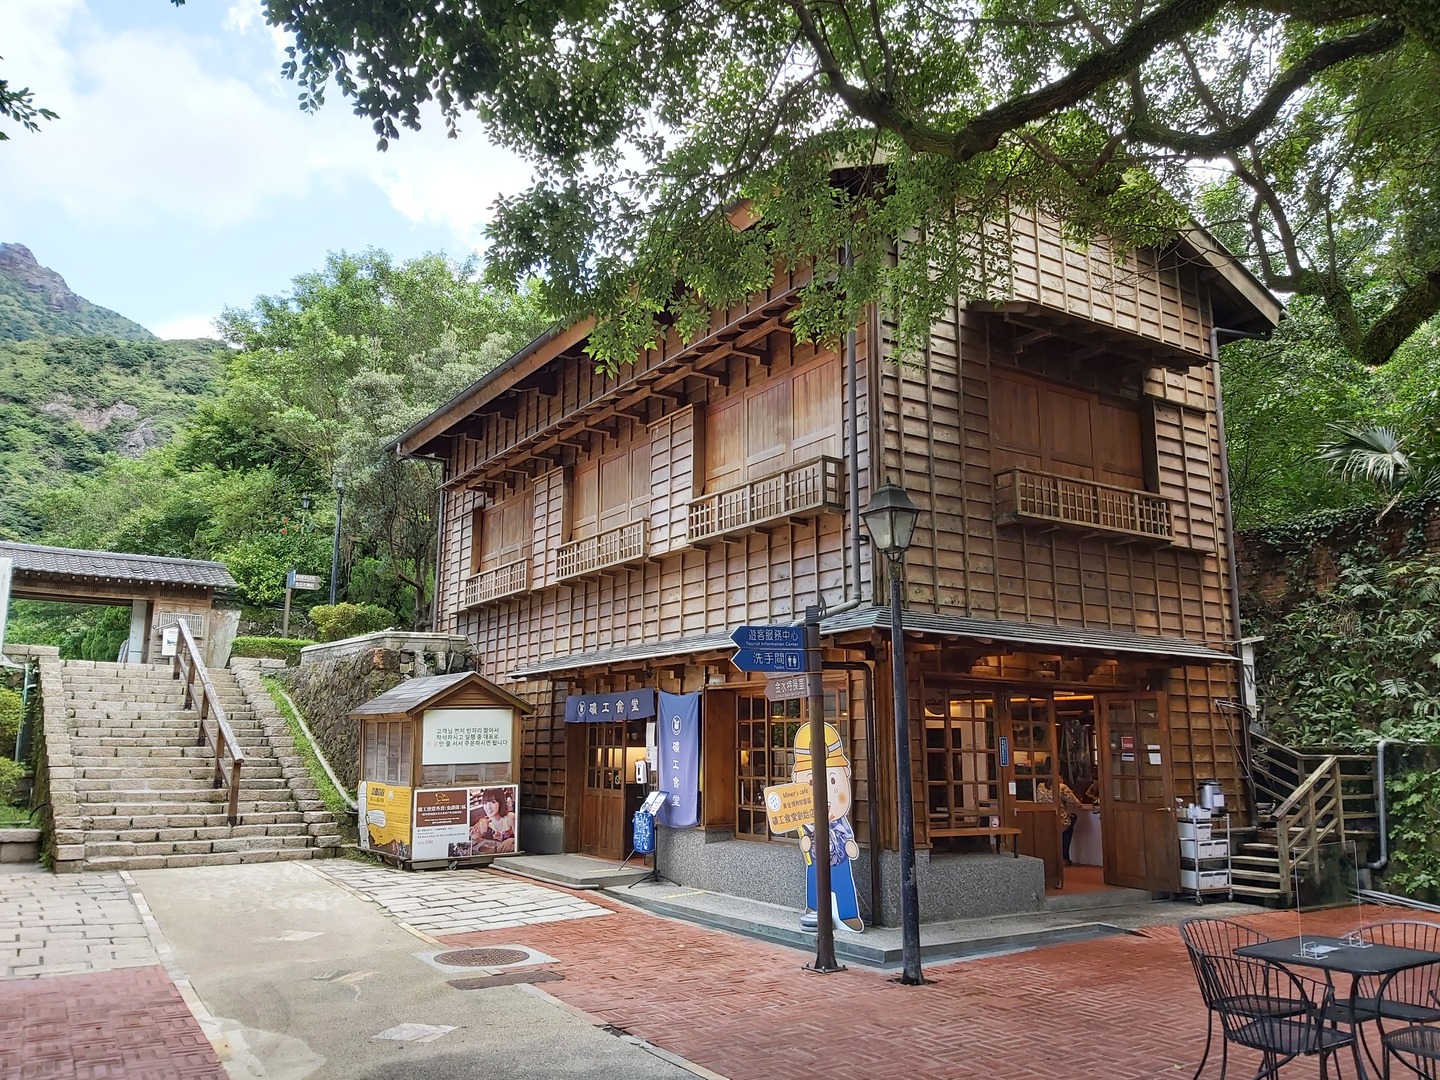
column 439, row 770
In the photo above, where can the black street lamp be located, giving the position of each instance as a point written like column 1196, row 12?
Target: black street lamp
column 890, row 520
column 335, row 544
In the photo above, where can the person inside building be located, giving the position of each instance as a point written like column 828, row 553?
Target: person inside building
column 1069, row 807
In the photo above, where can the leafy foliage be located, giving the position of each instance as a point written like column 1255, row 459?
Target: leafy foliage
column 1285, row 397
column 68, row 405
column 79, row 631
column 848, row 125
column 337, row 621
column 1360, row 661
column 273, row 648
column 11, row 706
column 11, row 773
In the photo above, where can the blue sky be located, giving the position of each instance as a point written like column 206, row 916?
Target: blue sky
column 181, row 177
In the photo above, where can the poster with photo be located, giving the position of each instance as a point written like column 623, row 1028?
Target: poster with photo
column 442, row 820
column 459, row 823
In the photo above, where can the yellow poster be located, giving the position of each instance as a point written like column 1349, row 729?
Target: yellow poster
column 789, row 806
column 385, row 809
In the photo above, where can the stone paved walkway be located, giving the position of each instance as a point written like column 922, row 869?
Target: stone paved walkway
column 457, row 901
column 66, row 925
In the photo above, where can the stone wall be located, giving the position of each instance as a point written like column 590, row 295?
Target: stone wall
column 336, row 677
column 54, row 795
column 1281, row 564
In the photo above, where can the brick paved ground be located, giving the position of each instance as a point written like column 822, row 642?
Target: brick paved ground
column 127, row 1023
column 82, row 990
column 1119, row 1008
column 457, row 901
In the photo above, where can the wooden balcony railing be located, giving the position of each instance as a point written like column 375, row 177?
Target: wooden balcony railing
column 818, row 485
column 190, row 664
column 609, row 548
column 493, row 584
column 1022, row 495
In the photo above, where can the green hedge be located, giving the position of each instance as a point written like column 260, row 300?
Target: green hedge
column 337, row 621
column 273, row 648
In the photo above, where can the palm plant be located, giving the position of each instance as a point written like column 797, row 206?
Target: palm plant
column 1377, row 455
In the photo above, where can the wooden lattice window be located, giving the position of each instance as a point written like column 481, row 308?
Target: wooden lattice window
column 962, row 761
column 387, row 752
column 765, row 752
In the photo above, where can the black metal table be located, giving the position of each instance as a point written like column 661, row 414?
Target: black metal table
column 1330, row 955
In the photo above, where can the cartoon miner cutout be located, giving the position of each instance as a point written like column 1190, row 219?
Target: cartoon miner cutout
column 843, row 847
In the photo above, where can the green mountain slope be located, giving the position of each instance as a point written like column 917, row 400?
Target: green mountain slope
column 36, row 302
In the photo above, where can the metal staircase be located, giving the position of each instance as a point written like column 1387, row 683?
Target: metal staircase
column 1307, row 802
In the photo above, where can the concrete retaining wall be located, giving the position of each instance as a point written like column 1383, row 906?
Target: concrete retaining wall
column 951, row 886
column 337, row 676
column 60, row 824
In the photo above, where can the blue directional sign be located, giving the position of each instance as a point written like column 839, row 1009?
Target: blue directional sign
column 769, row 648
column 769, row 637
column 769, row 659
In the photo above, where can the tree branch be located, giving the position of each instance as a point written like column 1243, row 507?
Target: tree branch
column 1377, row 38
column 1167, row 22
column 1415, row 306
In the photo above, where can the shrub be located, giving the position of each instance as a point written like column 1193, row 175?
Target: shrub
column 11, row 773
column 273, row 648
column 336, row 621
column 10, row 707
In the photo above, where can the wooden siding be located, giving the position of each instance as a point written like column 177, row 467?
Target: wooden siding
column 1146, row 293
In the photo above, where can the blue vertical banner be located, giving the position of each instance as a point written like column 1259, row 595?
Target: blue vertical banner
column 678, row 749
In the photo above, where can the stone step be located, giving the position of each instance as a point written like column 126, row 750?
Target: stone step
column 159, row 815
column 149, row 773
column 219, row 858
column 123, row 827
column 111, row 785
column 98, row 752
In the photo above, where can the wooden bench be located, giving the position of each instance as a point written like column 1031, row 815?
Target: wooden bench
column 998, row 834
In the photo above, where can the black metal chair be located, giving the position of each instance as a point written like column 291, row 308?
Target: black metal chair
column 1205, row 938
column 1410, row 997
column 1248, row 995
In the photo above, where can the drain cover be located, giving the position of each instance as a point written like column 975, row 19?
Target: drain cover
column 481, row 957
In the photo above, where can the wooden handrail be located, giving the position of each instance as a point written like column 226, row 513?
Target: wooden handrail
column 220, row 737
column 1308, row 818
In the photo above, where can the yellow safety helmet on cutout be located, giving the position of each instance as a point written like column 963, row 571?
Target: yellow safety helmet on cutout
column 834, row 748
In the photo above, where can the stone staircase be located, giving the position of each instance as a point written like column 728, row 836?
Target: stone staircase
column 144, row 790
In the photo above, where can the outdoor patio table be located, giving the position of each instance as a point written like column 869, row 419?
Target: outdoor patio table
column 1329, row 954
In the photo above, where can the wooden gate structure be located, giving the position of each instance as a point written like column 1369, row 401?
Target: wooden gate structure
column 157, row 590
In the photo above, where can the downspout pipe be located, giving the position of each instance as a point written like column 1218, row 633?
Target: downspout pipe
column 871, row 805
column 853, row 415
column 1232, row 563
column 1383, row 824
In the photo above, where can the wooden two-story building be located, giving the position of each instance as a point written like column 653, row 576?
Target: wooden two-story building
column 1068, row 598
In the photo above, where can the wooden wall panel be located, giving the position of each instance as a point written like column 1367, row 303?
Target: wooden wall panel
column 963, row 562
column 1156, row 296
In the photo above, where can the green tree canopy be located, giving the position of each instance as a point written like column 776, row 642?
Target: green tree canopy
column 1303, row 131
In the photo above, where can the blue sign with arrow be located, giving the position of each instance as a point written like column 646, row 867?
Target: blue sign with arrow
column 769, row 637
column 769, row 659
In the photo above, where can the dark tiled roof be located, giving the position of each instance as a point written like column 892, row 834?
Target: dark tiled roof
column 35, row 560
column 414, row 694
column 985, row 631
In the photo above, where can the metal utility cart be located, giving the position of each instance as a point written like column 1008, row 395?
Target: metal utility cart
column 1204, row 852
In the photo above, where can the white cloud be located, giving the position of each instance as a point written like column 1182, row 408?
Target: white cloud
column 194, row 326
column 182, row 124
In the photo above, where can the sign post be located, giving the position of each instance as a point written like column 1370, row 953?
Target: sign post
column 294, row 580
column 793, row 652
